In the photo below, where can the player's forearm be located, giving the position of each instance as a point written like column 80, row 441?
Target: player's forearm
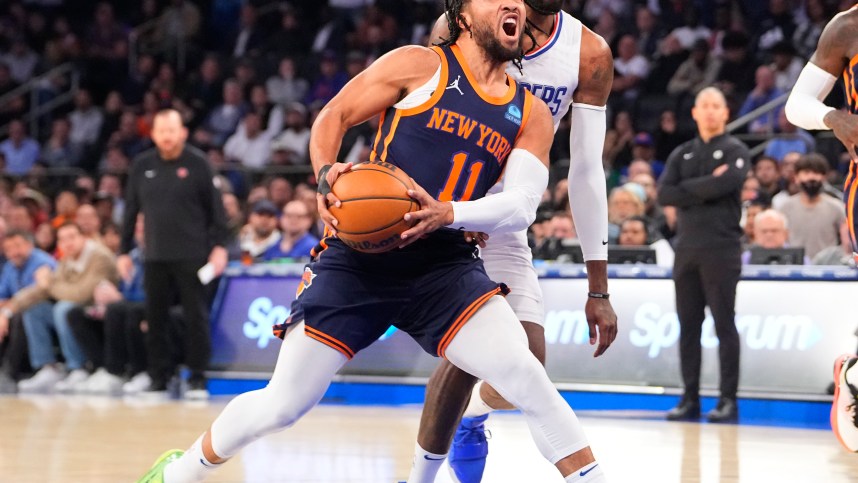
column 597, row 275
column 326, row 138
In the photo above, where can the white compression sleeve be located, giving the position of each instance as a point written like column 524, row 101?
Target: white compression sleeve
column 804, row 108
column 588, row 194
column 514, row 208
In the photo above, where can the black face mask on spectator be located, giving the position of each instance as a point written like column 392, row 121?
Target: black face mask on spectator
column 812, row 187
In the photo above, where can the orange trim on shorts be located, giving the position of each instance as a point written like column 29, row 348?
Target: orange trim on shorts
column 850, row 210
column 329, row 341
column 525, row 115
column 372, row 153
column 439, row 90
column 498, row 101
column 313, row 252
column 462, row 319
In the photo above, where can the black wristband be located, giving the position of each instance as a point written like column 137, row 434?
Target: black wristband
column 599, row 295
column 322, row 180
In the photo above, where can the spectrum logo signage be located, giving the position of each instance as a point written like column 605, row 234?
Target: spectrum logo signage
column 262, row 314
column 656, row 330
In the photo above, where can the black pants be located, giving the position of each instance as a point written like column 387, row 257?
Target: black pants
column 708, row 277
column 13, row 350
column 161, row 281
column 114, row 342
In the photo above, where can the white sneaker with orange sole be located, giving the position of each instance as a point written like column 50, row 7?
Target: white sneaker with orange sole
column 844, row 414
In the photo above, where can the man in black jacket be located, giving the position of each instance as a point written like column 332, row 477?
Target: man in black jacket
column 172, row 185
column 703, row 179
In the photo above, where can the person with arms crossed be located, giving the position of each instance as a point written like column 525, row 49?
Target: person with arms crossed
column 433, row 287
column 703, row 179
column 836, row 55
column 569, row 67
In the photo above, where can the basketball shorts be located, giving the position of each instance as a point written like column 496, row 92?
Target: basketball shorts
column 429, row 290
column 508, row 259
column 849, row 194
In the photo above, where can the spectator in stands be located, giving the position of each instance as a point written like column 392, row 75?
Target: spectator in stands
column 806, row 36
column 111, row 237
column 618, row 142
column 771, row 231
column 234, row 223
column 667, row 136
column 294, row 141
column 85, row 120
column 261, row 232
column 138, row 79
column 58, row 151
column 250, row 146
column 23, row 260
column 652, row 210
column 736, row 77
column 206, row 87
column 838, row 255
column 19, row 218
column 21, row 60
column 699, row 71
column 790, row 139
column 7, row 83
column 65, row 208
column 107, row 41
column 223, row 120
column 764, row 92
column 750, row 210
column 291, row 39
column 789, row 186
column 814, row 217
column 329, row 80
column 630, row 67
column 690, row 30
column 355, row 64
column 111, row 185
column 624, row 202
column 270, row 114
column 90, row 224
column 562, row 227
column 286, row 88
column 643, row 149
column 280, row 191
column 127, row 138
column 21, row 152
column 180, row 22
column 249, row 40
column 750, row 189
column 606, row 27
column 636, row 231
column 84, row 265
column 296, row 240
column 766, row 171
column 647, row 31
column 777, row 25
column 785, row 65
column 109, row 331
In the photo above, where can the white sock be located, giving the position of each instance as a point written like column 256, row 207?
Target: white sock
column 425, row 465
column 476, row 406
column 591, row 473
column 192, row 466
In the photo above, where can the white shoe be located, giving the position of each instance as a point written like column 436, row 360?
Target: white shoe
column 43, row 381
column 844, row 413
column 137, row 383
column 73, row 382
column 103, row 382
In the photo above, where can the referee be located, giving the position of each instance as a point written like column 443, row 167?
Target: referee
column 185, row 227
column 703, row 180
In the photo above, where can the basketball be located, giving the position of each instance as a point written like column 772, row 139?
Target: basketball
column 374, row 199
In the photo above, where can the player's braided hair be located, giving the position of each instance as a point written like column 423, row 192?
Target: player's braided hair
column 455, row 21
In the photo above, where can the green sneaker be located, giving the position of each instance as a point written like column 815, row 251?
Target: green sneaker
column 156, row 473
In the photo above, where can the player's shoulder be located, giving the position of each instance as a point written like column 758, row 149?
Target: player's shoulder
column 594, row 46
column 415, row 57
column 844, row 22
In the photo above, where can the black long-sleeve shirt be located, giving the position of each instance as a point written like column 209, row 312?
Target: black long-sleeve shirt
column 183, row 210
column 708, row 207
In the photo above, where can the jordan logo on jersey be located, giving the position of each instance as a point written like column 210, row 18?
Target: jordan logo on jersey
column 455, row 85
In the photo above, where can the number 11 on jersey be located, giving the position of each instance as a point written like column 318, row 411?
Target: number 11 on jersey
column 459, row 161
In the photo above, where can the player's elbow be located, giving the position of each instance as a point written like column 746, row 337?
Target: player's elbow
column 791, row 109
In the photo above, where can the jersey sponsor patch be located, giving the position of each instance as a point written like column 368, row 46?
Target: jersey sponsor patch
column 513, row 114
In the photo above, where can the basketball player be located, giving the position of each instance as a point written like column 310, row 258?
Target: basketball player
column 836, row 55
column 567, row 65
column 454, row 142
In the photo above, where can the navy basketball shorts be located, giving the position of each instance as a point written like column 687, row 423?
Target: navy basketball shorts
column 348, row 299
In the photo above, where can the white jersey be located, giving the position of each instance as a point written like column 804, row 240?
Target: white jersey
column 551, row 74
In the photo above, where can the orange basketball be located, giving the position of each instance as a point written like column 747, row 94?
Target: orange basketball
column 374, row 199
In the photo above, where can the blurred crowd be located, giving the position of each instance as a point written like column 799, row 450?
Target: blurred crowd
column 249, row 78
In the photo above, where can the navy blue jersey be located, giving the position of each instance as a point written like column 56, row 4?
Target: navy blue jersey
column 455, row 144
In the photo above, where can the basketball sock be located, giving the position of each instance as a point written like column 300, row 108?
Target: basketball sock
column 476, row 406
column 425, row 465
column 192, row 466
column 591, row 473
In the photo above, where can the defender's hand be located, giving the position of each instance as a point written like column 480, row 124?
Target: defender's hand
column 323, row 201
column 477, row 238
column 600, row 315
column 845, row 127
column 433, row 214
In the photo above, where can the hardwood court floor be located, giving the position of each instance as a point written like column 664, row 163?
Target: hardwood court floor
column 87, row 439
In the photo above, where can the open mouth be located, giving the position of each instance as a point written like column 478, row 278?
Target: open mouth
column 510, row 25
